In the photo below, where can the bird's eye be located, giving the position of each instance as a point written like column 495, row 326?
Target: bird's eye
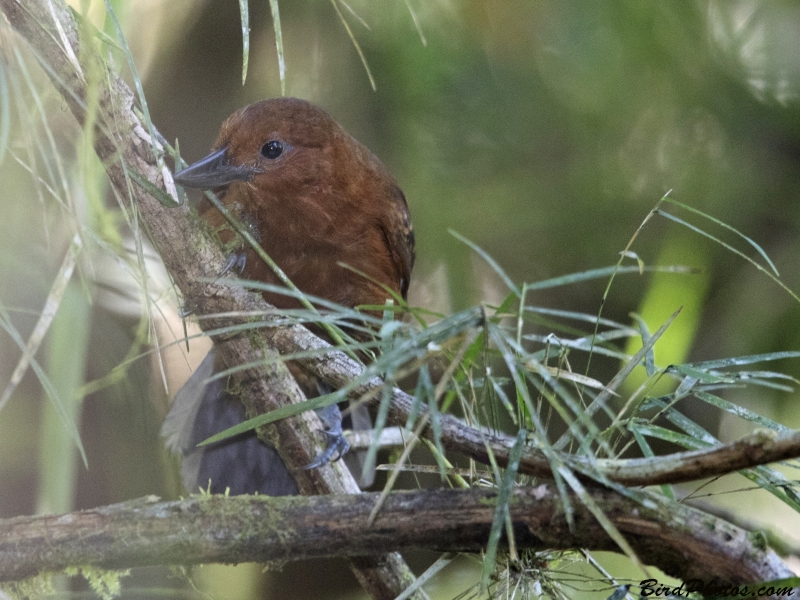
column 272, row 149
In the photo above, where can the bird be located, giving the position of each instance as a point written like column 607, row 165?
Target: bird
column 335, row 221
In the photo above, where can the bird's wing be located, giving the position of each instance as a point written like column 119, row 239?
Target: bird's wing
column 399, row 234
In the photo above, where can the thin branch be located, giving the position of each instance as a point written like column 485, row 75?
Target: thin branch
column 679, row 540
column 338, row 370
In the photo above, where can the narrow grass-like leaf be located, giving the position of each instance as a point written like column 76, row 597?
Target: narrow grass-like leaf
column 775, row 483
column 740, row 411
column 669, row 435
column 422, row 393
column 436, row 427
column 649, row 357
column 724, row 225
column 489, row 261
column 604, row 396
column 244, row 12
column 501, row 509
column 730, row 248
column 45, row 319
column 744, row 360
column 156, row 192
column 647, row 452
column 500, row 392
column 703, row 375
column 355, row 44
column 750, row 375
column 439, row 453
column 685, row 386
column 559, row 400
column 276, row 26
column 5, row 112
column 701, row 438
column 525, row 400
column 588, row 501
column 65, row 44
column 618, row 266
column 356, row 15
column 604, row 272
column 380, row 422
column 557, row 329
column 770, row 385
column 137, row 82
column 578, row 378
column 87, row 25
column 416, row 24
column 584, row 317
column 44, row 380
column 274, row 415
column 585, row 345
column 439, row 392
column 441, row 563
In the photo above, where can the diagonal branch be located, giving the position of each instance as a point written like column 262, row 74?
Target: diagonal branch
column 128, row 152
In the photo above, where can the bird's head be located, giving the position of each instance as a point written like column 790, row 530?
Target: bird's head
column 281, row 147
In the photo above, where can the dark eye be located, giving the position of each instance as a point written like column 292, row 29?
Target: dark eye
column 272, row 149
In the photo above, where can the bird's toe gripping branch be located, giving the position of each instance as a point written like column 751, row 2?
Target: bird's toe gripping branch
column 337, row 444
column 236, row 262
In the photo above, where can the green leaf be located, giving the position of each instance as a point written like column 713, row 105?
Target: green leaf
column 156, row 192
column 276, row 25
column 490, row 261
column 244, row 11
column 501, row 510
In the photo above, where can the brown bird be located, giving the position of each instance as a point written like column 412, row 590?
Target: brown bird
column 313, row 197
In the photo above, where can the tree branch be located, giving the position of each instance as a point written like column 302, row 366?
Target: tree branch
column 681, row 541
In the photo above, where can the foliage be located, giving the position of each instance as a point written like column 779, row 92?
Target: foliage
column 478, row 138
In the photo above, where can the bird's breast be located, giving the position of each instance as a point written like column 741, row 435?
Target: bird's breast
column 310, row 239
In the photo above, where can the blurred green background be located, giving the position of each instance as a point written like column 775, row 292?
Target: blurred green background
column 544, row 131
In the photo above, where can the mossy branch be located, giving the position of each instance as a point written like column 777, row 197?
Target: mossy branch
column 678, row 539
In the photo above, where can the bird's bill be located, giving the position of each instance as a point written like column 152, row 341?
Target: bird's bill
column 213, row 171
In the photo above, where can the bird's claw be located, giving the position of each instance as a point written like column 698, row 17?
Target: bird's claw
column 337, row 444
column 236, row 262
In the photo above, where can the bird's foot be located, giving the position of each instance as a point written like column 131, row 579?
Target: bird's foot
column 337, row 444
column 236, row 262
